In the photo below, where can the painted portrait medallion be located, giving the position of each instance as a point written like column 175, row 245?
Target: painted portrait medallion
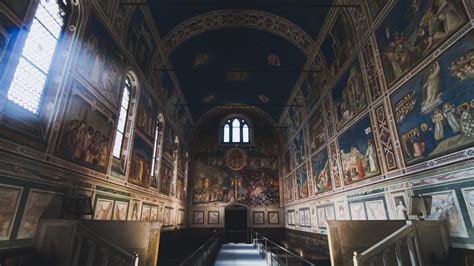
column 236, row 159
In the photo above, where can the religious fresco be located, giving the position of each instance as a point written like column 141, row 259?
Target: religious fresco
column 358, row 153
column 202, row 59
column 120, row 211
column 322, row 181
column 297, row 110
column 139, row 40
column 289, row 188
column 349, row 95
column 9, row 200
column 287, row 128
column 140, row 163
column 166, row 176
column 273, row 60
column 311, row 89
column 146, row 114
column 182, row 159
column 247, row 175
column 173, row 105
column 338, row 44
column 180, row 187
column 445, row 205
column 316, row 127
column 298, row 148
column 86, row 135
column 412, row 30
column 180, row 114
column 100, row 62
column 40, row 205
column 434, row 110
column 376, row 210
column 302, row 183
column 169, row 144
column 287, row 162
column 103, row 209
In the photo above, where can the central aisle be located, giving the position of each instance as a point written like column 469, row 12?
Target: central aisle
column 239, row 254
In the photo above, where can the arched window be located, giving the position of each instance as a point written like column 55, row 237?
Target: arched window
column 236, row 130
column 123, row 119
column 29, row 78
column 158, row 145
column 226, row 133
column 125, row 124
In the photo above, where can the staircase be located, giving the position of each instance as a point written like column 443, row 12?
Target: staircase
column 416, row 243
column 89, row 243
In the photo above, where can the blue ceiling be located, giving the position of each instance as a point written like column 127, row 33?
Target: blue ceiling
column 209, row 82
column 262, row 59
column 307, row 14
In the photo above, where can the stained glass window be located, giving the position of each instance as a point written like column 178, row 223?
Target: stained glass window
column 123, row 118
column 27, row 86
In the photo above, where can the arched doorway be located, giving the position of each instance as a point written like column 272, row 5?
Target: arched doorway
column 236, row 224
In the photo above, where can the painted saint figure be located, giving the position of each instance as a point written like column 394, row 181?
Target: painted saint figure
column 450, row 114
column 438, row 120
column 372, row 156
column 431, row 89
column 401, row 210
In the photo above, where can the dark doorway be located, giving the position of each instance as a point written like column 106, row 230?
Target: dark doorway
column 236, row 224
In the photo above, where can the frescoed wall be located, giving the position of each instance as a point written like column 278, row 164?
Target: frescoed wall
column 72, row 138
column 434, row 110
column 226, row 174
column 246, row 175
column 395, row 118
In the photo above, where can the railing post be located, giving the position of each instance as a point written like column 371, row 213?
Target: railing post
column 385, row 256
column 412, row 250
column 398, row 253
column 354, row 259
column 104, row 258
column 90, row 252
column 77, row 250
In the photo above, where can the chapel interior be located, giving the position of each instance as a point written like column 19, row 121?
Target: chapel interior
column 239, row 132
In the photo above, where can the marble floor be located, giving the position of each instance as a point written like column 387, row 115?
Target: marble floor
column 239, row 254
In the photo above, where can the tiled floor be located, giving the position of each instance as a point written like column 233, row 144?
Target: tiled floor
column 239, row 254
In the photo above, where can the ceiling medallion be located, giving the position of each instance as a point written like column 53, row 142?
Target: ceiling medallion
column 273, row 60
column 236, row 74
column 236, row 159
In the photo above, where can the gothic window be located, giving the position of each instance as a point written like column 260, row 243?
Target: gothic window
column 123, row 118
column 125, row 122
column 236, row 130
column 158, row 146
column 29, row 79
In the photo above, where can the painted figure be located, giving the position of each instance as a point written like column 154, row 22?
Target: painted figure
column 431, row 89
column 372, row 156
column 438, row 120
column 401, row 210
column 451, row 117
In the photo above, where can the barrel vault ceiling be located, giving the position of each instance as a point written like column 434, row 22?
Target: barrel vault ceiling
column 238, row 52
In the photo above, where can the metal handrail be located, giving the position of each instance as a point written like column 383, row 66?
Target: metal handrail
column 132, row 256
column 205, row 245
column 284, row 249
